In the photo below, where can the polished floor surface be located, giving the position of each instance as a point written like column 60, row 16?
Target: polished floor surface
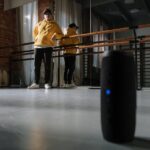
column 63, row 119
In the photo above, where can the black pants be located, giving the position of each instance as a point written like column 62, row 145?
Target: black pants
column 69, row 67
column 44, row 54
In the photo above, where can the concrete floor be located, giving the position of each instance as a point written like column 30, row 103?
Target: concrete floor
column 62, row 119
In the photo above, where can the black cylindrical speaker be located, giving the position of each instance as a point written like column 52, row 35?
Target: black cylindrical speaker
column 118, row 96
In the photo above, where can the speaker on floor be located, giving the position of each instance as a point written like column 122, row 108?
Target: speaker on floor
column 118, row 96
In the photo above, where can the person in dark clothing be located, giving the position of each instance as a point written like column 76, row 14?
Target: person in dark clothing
column 70, row 54
column 45, row 33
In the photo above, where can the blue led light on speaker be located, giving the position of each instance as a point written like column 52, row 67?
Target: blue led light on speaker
column 108, row 92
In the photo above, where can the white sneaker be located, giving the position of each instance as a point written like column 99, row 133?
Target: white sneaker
column 65, row 86
column 47, row 86
column 71, row 85
column 33, row 86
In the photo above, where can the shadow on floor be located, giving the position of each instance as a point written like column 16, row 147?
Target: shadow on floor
column 140, row 142
column 9, row 140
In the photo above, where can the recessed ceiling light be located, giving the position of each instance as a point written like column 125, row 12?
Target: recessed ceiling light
column 134, row 10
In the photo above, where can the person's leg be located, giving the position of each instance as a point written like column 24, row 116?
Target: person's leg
column 66, row 69
column 71, row 68
column 37, row 63
column 47, row 63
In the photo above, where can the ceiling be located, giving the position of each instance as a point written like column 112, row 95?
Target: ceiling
column 118, row 13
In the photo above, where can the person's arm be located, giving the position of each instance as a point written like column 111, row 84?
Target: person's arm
column 77, row 41
column 35, row 31
column 58, row 32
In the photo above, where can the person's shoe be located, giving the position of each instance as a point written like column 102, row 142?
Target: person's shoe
column 47, row 86
column 33, row 86
column 65, row 86
column 71, row 85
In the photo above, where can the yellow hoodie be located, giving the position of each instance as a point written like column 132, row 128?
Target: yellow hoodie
column 69, row 41
column 45, row 31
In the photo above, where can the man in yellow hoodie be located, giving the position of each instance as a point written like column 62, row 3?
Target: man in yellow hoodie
column 69, row 54
column 45, row 33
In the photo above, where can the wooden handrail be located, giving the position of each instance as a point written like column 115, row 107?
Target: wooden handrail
column 110, row 31
column 18, row 45
column 105, row 44
column 88, row 34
